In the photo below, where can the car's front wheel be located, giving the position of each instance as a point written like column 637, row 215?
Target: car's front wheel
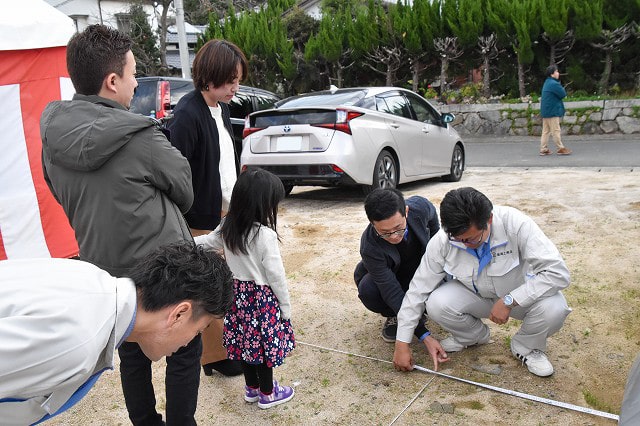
column 457, row 165
column 385, row 173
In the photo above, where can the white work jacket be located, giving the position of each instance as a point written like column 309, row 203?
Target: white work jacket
column 524, row 263
column 60, row 323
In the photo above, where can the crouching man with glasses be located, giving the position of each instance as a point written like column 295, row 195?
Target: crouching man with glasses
column 391, row 248
column 502, row 266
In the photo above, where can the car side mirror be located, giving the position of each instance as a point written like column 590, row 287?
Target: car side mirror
column 447, row 118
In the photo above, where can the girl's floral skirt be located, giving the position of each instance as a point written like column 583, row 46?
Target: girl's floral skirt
column 253, row 329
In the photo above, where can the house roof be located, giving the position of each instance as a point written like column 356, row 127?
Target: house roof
column 173, row 59
column 192, row 32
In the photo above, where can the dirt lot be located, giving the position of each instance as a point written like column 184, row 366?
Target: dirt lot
column 592, row 215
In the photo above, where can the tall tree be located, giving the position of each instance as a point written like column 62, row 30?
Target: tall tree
column 466, row 20
column 488, row 48
column 515, row 22
column 263, row 38
column 330, row 46
column 586, row 18
column 554, row 16
column 449, row 51
column 417, row 28
column 144, row 46
column 611, row 41
column 377, row 41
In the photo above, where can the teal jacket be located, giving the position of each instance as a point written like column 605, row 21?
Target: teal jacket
column 551, row 101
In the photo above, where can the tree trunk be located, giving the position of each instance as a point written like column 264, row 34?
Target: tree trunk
column 389, row 76
column 443, row 75
column 552, row 54
column 521, row 88
column 415, row 75
column 163, row 37
column 603, row 84
column 486, row 81
column 339, row 76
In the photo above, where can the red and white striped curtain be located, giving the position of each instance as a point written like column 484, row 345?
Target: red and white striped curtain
column 32, row 223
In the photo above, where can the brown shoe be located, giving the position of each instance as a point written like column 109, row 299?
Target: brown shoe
column 545, row 152
column 564, row 151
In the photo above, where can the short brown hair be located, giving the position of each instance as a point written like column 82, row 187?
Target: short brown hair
column 95, row 53
column 216, row 62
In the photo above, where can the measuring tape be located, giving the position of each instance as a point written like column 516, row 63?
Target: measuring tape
column 524, row 395
column 482, row 385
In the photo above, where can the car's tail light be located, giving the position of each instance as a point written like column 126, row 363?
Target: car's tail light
column 336, row 169
column 248, row 129
column 163, row 107
column 343, row 117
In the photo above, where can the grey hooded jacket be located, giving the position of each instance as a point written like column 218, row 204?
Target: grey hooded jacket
column 122, row 185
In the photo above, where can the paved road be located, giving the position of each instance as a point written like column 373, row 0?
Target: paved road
column 522, row 151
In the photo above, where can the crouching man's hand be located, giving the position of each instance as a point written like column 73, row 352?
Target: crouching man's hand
column 402, row 357
column 438, row 354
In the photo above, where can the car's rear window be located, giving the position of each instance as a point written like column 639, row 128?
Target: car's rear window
column 276, row 118
column 178, row 90
column 240, row 106
column 346, row 98
column 144, row 101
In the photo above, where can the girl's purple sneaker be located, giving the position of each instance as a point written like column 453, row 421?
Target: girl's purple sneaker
column 251, row 394
column 280, row 395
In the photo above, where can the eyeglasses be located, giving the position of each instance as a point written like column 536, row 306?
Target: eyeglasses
column 470, row 241
column 387, row 235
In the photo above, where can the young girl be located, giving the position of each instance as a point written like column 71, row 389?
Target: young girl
column 258, row 329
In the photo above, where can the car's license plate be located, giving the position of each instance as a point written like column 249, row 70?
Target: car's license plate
column 289, row 143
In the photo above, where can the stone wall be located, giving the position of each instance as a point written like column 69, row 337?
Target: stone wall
column 584, row 117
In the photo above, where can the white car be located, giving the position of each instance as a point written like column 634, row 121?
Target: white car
column 376, row 137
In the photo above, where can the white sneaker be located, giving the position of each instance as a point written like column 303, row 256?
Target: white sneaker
column 536, row 361
column 450, row 344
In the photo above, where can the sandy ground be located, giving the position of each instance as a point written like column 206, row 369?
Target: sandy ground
column 593, row 216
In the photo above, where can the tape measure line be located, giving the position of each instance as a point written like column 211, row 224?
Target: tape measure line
column 406, row 407
column 482, row 385
column 524, row 395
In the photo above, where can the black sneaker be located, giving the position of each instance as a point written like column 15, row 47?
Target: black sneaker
column 389, row 330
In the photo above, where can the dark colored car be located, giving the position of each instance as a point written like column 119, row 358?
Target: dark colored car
column 157, row 97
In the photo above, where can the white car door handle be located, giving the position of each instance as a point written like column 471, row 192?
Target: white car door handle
column 394, row 125
column 425, row 129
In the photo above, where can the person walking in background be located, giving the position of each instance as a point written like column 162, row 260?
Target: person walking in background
column 201, row 130
column 88, row 313
column 258, row 329
column 124, row 189
column 391, row 248
column 551, row 110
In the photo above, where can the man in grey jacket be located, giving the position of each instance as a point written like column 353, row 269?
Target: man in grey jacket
column 124, row 189
column 501, row 265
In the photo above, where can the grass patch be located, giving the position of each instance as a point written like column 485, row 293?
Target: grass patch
column 472, row 405
column 595, row 402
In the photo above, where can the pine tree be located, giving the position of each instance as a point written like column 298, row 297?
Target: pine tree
column 144, row 46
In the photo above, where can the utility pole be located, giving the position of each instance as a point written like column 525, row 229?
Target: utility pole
column 182, row 39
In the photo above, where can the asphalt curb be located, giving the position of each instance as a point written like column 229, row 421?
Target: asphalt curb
column 569, row 138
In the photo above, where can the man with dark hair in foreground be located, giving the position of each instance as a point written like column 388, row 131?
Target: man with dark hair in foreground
column 62, row 320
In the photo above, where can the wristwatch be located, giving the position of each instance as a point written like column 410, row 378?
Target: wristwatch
column 508, row 301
